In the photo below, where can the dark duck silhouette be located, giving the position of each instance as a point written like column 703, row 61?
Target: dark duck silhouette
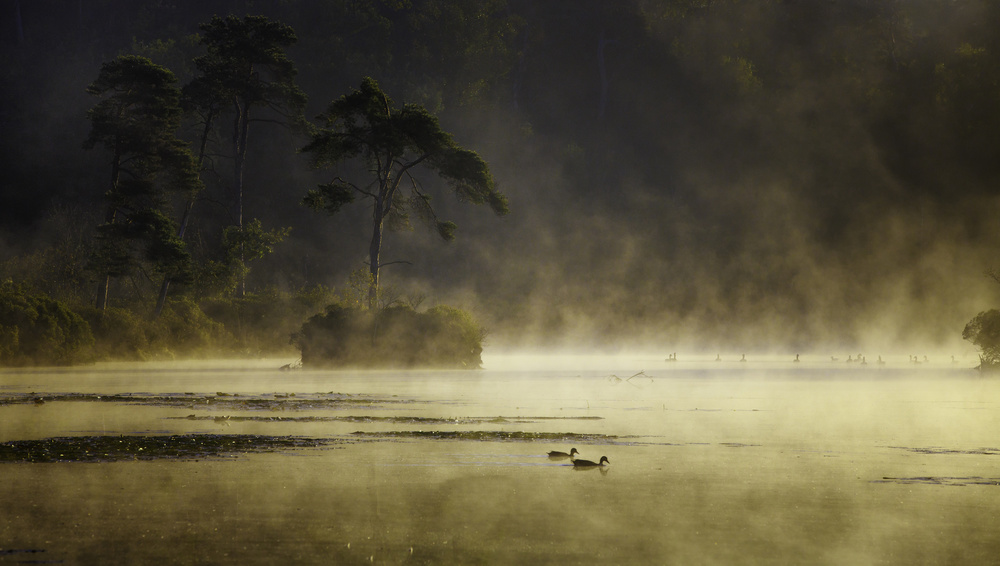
column 590, row 464
column 555, row 454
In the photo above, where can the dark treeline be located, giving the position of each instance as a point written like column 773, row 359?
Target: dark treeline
column 709, row 173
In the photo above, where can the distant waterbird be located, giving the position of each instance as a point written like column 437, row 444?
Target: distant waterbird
column 718, row 357
column 796, row 360
column 590, row 463
column 881, row 362
column 744, row 358
column 557, row 454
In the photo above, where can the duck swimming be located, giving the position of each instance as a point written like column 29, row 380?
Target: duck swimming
column 589, row 464
column 572, row 452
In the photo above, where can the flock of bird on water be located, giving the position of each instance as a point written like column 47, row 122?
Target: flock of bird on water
column 578, row 463
column 859, row 359
column 554, row 455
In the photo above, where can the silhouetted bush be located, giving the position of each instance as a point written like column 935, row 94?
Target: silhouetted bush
column 37, row 330
column 181, row 330
column 185, row 330
column 396, row 336
column 121, row 334
column 262, row 323
column 984, row 332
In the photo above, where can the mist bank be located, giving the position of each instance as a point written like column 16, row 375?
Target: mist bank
column 724, row 176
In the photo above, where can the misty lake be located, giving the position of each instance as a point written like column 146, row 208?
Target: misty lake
column 763, row 462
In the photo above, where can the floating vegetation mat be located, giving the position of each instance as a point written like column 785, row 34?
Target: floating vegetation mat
column 974, row 451
column 141, row 447
column 375, row 419
column 934, row 480
column 207, row 446
column 223, row 401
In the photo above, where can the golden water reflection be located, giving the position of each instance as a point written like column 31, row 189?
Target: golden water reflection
column 709, row 465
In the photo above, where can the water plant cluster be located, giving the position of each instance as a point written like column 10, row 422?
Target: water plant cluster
column 147, row 447
column 220, row 401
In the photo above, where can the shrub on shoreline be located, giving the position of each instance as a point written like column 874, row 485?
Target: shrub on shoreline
column 35, row 329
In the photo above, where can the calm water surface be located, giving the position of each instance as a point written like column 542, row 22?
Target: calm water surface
column 766, row 462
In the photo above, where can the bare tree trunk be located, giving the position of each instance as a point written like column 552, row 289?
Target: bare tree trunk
column 240, row 134
column 165, row 285
column 102, row 293
column 109, row 218
column 105, row 281
column 374, row 251
column 161, row 298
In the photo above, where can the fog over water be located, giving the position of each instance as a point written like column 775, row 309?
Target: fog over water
column 734, row 463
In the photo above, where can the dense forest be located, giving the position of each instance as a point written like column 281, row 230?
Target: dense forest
column 702, row 174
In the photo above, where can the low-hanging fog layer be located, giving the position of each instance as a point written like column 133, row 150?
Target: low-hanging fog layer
column 682, row 175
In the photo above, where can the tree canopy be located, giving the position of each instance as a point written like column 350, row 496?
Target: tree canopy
column 394, row 144
column 136, row 121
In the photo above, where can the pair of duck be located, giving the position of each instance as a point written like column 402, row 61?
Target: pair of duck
column 579, row 463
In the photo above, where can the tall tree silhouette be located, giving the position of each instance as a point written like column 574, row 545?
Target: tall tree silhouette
column 246, row 68
column 136, row 121
column 395, row 144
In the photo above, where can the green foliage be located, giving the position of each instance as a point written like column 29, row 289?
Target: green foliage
column 148, row 236
column 240, row 247
column 246, row 60
column 37, row 330
column 356, row 293
column 119, row 333
column 329, row 197
column 135, row 120
column 251, row 241
column 397, row 336
column 175, row 54
column 365, row 124
column 181, row 330
column 139, row 103
column 184, row 330
column 243, row 245
column 984, row 332
column 59, row 268
column 263, row 322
